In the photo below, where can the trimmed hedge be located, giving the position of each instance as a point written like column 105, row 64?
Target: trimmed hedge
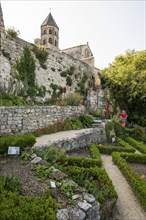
column 22, row 141
column 137, row 144
column 111, row 149
column 80, row 162
column 134, row 158
column 95, row 152
column 95, row 180
column 138, row 185
column 125, row 145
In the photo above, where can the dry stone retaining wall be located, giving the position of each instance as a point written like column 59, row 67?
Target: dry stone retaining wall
column 26, row 119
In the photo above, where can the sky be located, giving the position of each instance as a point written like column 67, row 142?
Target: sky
column 111, row 27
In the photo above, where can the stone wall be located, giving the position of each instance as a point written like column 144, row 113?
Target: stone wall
column 57, row 62
column 73, row 140
column 26, row 119
column 81, row 52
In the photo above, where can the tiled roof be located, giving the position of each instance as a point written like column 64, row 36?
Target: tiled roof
column 49, row 21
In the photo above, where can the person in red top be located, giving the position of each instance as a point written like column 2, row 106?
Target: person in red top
column 123, row 117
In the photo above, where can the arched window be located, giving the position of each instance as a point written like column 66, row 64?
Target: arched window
column 50, row 40
column 86, row 53
column 44, row 32
column 50, row 31
column 44, row 41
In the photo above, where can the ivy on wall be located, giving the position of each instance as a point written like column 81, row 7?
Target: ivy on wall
column 41, row 54
column 26, row 69
column 26, row 73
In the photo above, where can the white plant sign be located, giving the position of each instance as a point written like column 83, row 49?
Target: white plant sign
column 13, row 150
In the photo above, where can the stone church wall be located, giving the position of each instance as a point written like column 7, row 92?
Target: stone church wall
column 26, row 119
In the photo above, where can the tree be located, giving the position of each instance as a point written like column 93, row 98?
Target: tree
column 126, row 79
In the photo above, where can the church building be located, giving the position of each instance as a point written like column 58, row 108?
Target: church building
column 50, row 39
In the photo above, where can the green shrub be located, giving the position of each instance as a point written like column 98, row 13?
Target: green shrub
column 138, row 185
column 136, row 144
column 11, row 100
column 51, row 154
column 69, row 124
column 82, row 85
column 111, row 149
column 15, row 206
column 22, row 141
column 134, row 158
column 63, row 74
column 74, row 99
column 12, row 32
column 99, row 113
column 80, row 162
column 68, row 81
column 95, row 180
column 69, row 72
column 138, row 133
column 86, row 121
column 41, row 54
column 26, row 69
column 125, row 144
column 41, row 91
column 108, row 128
column 95, row 152
column 74, row 123
column 9, row 184
column 42, row 171
column 119, row 129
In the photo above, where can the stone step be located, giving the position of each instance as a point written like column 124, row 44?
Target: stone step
column 98, row 121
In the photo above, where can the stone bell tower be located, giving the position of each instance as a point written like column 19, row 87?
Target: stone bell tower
column 50, row 33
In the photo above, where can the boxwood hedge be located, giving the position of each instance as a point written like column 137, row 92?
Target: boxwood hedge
column 22, row 141
column 138, row 185
column 137, row 144
column 80, row 162
column 111, row 149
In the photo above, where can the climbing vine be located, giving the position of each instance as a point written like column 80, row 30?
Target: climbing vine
column 26, row 69
column 41, row 54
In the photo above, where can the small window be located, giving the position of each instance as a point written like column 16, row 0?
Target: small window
column 44, row 32
column 44, row 41
column 50, row 41
column 50, row 31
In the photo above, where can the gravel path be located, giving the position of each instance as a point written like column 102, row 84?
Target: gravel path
column 128, row 206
